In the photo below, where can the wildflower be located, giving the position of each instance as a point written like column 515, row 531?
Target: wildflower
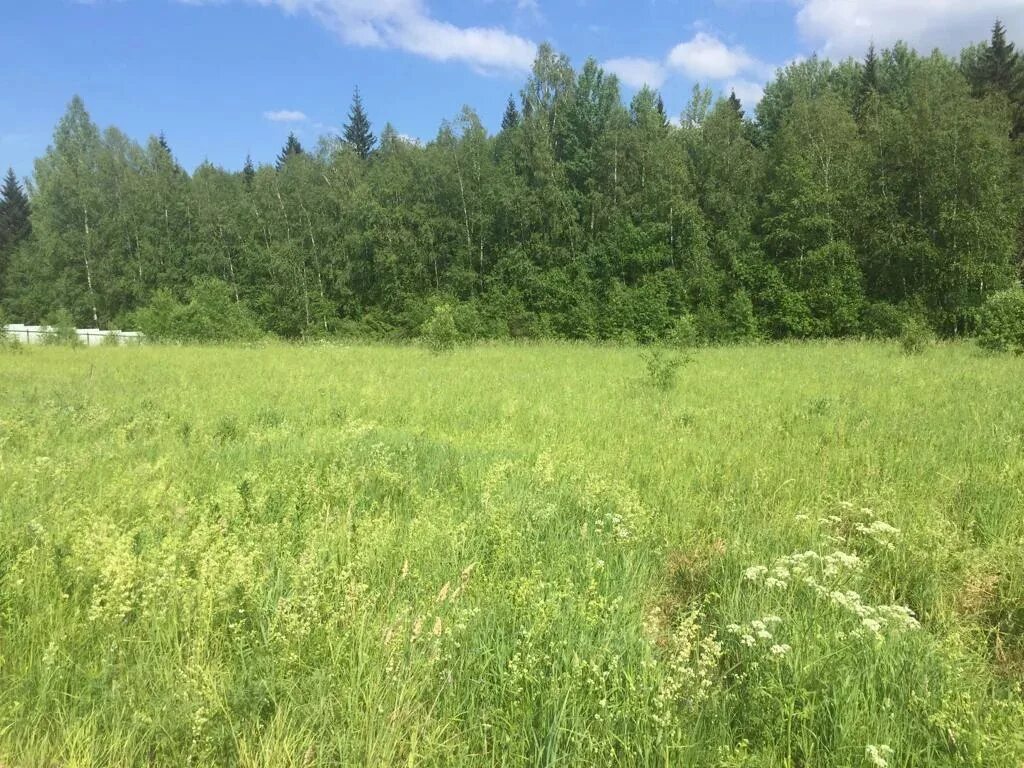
column 755, row 572
column 780, row 650
column 436, row 632
column 733, row 629
column 757, row 624
column 772, row 583
column 748, row 640
column 764, row 634
column 872, row 624
column 443, row 593
column 878, row 755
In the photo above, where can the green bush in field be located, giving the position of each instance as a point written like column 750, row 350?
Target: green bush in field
column 62, row 330
column 7, row 341
column 663, row 368
column 916, row 336
column 439, row 332
column 882, row 320
column 1001, row 321
column 684, row 332
column 212, row 313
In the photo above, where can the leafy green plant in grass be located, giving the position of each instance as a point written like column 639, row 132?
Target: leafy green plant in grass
column 663, row 368
column 1001, row 321
column 62, row 330
column 439, row 332
column 916, row 336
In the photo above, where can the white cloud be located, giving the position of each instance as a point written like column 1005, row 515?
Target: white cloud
column 705, row 56
column 285, row 116
column 847, row 27
column 407, row 25
column 637, row 72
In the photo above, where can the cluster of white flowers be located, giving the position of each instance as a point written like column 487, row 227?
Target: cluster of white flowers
column 880, row 531
column 878, row 755
column 831, row 575
column 875, row 618
column 818, row 573
column 806, row 568
column 757, row 632
column 613, row 524
column 691, row 668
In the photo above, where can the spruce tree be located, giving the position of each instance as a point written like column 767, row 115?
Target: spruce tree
column 511, row 117
column 291, row 148
column 1000, row 66
column 736, row 104
column 15, row 224
column 868, row 80
column 1001, row 70
column 660, row 106
column 162, row 140
column 357, row 130
column 248, row 171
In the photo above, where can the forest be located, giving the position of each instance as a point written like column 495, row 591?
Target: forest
column 856, row 196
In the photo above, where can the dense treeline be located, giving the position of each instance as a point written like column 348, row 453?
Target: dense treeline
column 859, row 195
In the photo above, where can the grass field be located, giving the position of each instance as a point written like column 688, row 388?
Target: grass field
column 803, row 555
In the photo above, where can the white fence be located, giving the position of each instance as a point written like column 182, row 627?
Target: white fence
column 90, row 337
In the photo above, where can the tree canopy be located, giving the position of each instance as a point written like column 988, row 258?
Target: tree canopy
column 854, row 197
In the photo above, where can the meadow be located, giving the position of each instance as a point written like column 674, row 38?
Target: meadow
column 799, row 555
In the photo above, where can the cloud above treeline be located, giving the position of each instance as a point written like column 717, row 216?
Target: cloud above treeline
column 285, row 116
column 408, row 25
column 703, row 58
column 839, row 28
column 835, row 28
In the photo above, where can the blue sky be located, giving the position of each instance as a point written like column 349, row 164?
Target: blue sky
column 223, row 78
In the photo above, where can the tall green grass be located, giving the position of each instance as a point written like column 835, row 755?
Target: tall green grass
column 805, row 555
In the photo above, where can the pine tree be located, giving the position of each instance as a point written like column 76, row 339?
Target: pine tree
column 248, row 171
column 161, row 141
column 660, row 106
column 15, row 224
column 292, row 147
column 736, row 104
column 357, row 130
column 511, row 117
column 868, row 80
column 1000, row 66
column 1000, row 69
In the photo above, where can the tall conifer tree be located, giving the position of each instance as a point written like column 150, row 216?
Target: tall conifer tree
column 292, row 148
column 511, row 117
column 357, row 131
column 248, row 171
